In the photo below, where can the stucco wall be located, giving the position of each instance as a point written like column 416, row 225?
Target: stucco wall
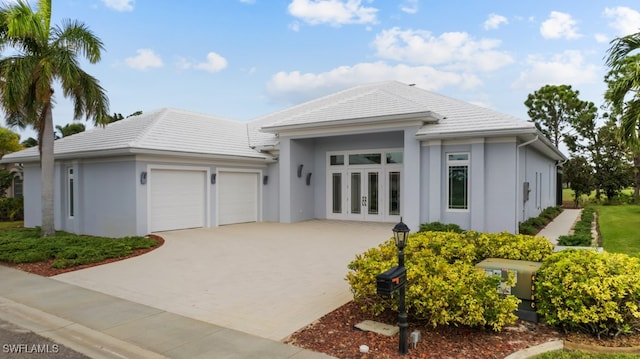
column 32, row 193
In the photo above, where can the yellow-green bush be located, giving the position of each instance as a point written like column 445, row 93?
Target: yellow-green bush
column 597, row 293
column 443, row 286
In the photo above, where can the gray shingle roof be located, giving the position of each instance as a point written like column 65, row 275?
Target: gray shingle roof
column 394, row 98
column 162, row 130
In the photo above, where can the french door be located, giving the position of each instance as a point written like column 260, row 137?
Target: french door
column 365, row 194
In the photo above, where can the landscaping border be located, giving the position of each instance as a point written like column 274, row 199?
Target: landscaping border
column 555, row 345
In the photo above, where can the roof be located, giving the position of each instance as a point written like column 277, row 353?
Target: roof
column 166, row 130
column 393, row 99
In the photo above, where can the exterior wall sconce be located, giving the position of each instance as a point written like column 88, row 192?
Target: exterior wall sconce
column 213, row 178
column 143, row 177
column 265, row 180
column 300, row 170
column 308, row 178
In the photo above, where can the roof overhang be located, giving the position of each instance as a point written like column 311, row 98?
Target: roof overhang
column 262, row 158
column 421, row 117
column 542, row 144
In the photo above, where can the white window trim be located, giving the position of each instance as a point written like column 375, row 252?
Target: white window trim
column 450, row 163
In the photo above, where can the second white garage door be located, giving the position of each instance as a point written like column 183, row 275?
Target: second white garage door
column 177, row 199
column 237, row 197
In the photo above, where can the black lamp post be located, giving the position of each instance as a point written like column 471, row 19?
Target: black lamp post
column 401, row 234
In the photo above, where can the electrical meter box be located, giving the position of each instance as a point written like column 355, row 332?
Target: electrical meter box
column 524, row 273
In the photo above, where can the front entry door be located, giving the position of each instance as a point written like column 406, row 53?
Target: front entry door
column 364, row 189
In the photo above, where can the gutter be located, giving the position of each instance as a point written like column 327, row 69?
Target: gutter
column 518, row 187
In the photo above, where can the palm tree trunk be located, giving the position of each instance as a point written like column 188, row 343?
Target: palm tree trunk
column 636, row 191
column 47, row 169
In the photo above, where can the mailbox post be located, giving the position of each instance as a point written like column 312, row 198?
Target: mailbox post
column 396, row 279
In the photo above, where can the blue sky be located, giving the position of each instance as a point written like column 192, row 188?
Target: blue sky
column 241, row 59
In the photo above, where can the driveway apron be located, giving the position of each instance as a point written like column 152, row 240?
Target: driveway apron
column 266, row 279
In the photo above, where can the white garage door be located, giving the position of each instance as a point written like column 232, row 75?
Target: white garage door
column 177, row 199
column 237, row 197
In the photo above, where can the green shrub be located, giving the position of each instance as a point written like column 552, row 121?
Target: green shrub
column 11, row 209
column 596, row 293
column 533, row 225
column 583, row 240
column 440, row 227
column 444, row 287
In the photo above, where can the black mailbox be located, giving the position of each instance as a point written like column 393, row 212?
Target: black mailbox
column 391, row 280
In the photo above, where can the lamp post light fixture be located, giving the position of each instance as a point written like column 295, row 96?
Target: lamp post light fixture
column 401, row 235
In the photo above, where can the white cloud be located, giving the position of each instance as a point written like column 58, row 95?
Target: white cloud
column 214, row 63
column 294, row 87
column 120, row 5
column 568, row 67
column 624, row 20
column 494, row 21
column 454, row 50
column 601, row 38
column 559, row 25
column 333, row 12
column 144, row 59
column 410, row 6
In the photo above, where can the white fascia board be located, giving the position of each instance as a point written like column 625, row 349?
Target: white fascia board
column 350, row 130
column 421, row 117
column 481, row 133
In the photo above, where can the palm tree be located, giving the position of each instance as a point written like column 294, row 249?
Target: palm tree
column 70, row 129
column 39, row 56
column 623, row 94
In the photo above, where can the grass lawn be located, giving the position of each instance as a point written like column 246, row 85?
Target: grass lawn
column 582, row 355
column 24, row 245
column 619, row 228
column 14, row 224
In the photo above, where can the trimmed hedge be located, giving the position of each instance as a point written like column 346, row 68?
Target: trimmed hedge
column 440, row 227
column 587, row 291
column 533, row 225
column 11, row 209
column 443, row 286
column 582, row 235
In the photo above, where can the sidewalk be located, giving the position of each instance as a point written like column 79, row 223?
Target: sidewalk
column 102, row 326
column 560, row 225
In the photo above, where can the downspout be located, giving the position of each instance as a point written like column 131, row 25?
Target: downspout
column 518, row 187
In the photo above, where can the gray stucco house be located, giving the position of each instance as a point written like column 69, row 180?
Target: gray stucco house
column 374, row 152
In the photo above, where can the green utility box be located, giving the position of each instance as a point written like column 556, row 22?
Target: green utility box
column 525, row 275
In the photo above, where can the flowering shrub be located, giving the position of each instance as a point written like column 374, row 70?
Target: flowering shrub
column 597, row 293
column 443, row 286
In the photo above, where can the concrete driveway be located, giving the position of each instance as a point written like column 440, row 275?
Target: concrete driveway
column 266, row 279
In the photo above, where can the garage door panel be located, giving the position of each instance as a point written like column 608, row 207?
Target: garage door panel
column 177, row 199
column 237, row 197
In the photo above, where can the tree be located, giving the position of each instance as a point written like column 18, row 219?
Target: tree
column 30, row 142
column 623, row 94
column 579, row 174
column 70, row 129
column 9, row 141
column 615, row 171
column 41, row 54
column 118, row 116
column 552, row 108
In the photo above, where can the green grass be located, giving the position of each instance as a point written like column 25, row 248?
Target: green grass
column 24, row 245
column 14, row 224
column 560, row 354
column 619, row 228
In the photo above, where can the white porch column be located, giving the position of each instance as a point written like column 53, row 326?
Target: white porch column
column 477, row 186
column 411, row 182
column 285, row 180
column 435, row 181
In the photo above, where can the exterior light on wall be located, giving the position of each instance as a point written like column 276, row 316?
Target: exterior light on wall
column 308, row 178
column 300, row 170
column 213, row 178
column 265, row 180
column 143, row 177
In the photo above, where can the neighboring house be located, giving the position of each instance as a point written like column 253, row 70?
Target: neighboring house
column 16, row 186
column 374, row 152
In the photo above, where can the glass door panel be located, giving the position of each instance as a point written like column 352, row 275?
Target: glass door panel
column 356, row 193
column 373, row 187
column 394, row 193
column 336, row 190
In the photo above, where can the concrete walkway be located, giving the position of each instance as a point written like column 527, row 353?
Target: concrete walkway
column 102, row 326
column 560, row 225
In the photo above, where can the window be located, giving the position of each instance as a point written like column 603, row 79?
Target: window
column 458, row 181
column 70, row 193
column 17, row 186
column 336, row 182
column 394, row 157
column 337, row 160
column 365, row 159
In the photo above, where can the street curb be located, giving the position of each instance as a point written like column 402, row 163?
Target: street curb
column 77, row 337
